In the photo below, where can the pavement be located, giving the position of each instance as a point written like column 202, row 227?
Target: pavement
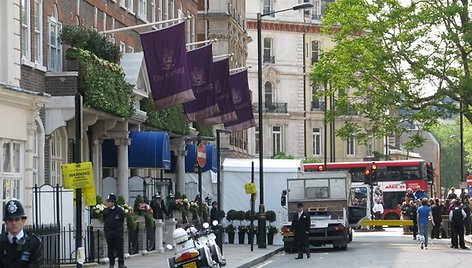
column 236, row 255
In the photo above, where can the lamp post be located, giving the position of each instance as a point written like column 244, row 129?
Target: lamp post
column 261, row 222
column 219, row 239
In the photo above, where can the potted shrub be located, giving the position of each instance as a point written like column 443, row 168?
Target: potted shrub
column 241, row 216
column 271, row 230
column 250, row 217
column 230, row 229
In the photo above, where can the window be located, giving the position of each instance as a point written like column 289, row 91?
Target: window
column 130, row 6
column 54, row 45
column 122, row 47
column 159, row 11
column 25, row 29
column 315, row 51
column 316, row 142
column 122, row 4
column 276, row 139
column 307, row 11
column 268, row 7
column 55, row 145
column 370, row 145
column 267, row 57
column 165, row 10
column 351, row 146
column 172, row 9
column 268, row 93
column 11, row 169
column 38, row 31
column 317, row 104
column 142, row 9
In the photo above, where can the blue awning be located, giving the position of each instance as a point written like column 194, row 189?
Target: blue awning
column 149, row 150
column 191, row 158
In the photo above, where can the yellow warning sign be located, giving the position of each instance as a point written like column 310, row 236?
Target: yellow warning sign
column 77, row 175
column 250, row 188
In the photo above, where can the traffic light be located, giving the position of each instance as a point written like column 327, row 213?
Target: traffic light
column 429, row 171
column 373, row 172
column 367, row 176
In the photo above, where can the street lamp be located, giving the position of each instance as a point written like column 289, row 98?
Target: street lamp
column 219, row 237
column 261, row 222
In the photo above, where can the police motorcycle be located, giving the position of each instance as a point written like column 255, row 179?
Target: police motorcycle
column 208, row 238
column 189, row 251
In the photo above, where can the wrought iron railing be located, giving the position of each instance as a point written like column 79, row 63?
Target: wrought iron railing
column 271, row 107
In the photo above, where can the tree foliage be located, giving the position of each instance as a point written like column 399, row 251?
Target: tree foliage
column 395, row 63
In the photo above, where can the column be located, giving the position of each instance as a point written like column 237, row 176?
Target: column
column 180, row 172
column 123, row 174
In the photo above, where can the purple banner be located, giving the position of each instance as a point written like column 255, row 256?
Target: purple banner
column 167, row 66
column 223, row 94
column 242, row 103
column 200, row 63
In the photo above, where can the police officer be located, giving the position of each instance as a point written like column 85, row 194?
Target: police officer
column 18, row 248
column 113, row 218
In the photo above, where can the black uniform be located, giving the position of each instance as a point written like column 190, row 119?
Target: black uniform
column 436, row 211
column 158, row 208
column 113, row 227
column 26, row 253
column 457, row 228
column 301, row 229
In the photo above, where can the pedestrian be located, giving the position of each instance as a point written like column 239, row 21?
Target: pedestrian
column 452, row 194
column 419, row 194
column 214, row 212
column 467, row 210
column 413, row 212
column 457, row 216
column 405, row 209
column 158, row 207
column 18, row 248
column 423, row 217
column 436, row 211
column 114, row 218
column 301, row 227
column 378, row 210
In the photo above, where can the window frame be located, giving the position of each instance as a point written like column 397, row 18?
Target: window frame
column 54, row 64
column 277, row 140
column 317, row 140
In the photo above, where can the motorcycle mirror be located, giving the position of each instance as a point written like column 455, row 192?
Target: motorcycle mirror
column 169, row 246
column 214, row 222
column 206, row 225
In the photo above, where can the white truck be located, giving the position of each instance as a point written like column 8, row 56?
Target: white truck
column 325, row 195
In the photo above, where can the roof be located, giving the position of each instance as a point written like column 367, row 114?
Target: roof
column 269, row 165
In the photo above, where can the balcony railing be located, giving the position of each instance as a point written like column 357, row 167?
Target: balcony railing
column 271, row 107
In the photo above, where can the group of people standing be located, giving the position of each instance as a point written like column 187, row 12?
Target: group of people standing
column 425, row 211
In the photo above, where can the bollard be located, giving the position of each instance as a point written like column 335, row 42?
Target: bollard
column 159, row 236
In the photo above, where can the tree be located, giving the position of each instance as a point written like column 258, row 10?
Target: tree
column 448, row 137
column 387, row 54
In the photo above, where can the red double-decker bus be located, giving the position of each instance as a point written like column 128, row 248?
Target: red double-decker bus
column 394, row 178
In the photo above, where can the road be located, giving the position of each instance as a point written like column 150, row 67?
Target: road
column 389, row 249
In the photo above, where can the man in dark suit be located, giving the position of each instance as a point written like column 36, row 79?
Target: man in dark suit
column 158, row 207
column 301, row 227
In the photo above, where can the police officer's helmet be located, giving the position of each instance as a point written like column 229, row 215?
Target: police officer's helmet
column 13, row 209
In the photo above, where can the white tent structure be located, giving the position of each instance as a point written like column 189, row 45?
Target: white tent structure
column 235, row 173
